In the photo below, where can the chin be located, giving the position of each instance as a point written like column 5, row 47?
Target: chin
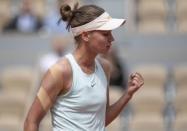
column 104, row 52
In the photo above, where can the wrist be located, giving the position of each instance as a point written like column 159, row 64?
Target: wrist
column 129, row 95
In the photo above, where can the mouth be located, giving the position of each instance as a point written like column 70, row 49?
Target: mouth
column 108, row 46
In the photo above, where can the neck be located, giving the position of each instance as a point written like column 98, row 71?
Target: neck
column 84, row 57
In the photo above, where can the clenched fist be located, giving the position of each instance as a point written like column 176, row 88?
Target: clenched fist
column 135, row 82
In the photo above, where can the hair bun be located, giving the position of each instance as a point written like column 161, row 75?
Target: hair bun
column 66, row 12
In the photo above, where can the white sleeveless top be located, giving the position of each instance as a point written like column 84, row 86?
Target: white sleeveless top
column 83, row 107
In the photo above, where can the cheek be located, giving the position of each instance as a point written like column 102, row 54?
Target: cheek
column 98, row 45
column 99, row 41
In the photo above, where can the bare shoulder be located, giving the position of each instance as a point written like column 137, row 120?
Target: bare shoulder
column 58, row 77
column 65, row 70
column 64, row 66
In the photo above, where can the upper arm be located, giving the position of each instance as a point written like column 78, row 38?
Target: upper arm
column 107, row 69
column 51, row 86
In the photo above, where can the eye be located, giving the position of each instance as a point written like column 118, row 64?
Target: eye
column 105, row 34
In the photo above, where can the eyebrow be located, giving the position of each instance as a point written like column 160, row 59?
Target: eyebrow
column 103, row 31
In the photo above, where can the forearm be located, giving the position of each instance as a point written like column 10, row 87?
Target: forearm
column 113, row 110
column 34, row 117
column 135, row 82
column 30, row 126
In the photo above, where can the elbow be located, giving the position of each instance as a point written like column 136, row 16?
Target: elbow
column 107, row 122
column 26, row 125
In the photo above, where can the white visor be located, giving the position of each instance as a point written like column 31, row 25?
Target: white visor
column 103, row 22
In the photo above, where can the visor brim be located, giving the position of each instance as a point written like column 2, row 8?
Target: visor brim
column 112, row 24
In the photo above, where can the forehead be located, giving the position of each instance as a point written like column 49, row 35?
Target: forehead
column 101, row 31
column 104, row 31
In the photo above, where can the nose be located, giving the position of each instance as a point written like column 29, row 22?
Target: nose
column 111, row 38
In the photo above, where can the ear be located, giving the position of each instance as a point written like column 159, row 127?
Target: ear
column 85, row 36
